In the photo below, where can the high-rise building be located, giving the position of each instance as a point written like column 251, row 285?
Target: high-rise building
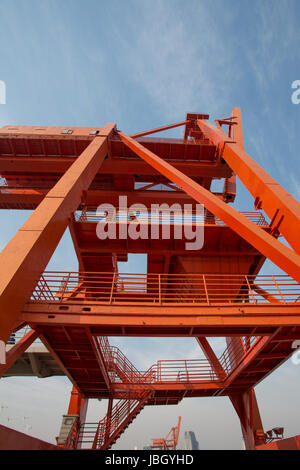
column 190, row 441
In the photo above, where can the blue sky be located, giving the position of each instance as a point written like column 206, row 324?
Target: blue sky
column 143, row 64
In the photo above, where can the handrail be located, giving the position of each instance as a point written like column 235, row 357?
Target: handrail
column 156, row 215
column 232, row 355
column 165, row 289
column 96, row 433
column 179, row 370
column 102, row 434
column 15, row 337
column 119, row 366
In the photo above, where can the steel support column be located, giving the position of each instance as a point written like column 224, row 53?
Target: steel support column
column 72, row 421
column 159, row 129
column 108, row 419
column 245, row 405
column 237, row 131
column 211, row 357
column 78, row 405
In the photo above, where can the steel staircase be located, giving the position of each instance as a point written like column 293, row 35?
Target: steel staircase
column 103, row 435
column 123, row 413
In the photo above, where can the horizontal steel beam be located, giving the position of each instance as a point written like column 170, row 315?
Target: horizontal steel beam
column 44, row 132
column 14, row 198
column 117, row 388
column 145, row 320
column 125, row 166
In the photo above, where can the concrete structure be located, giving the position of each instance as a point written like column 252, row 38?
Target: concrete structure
column 36, row 361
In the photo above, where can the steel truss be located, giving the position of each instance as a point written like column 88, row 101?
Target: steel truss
column 216, row 291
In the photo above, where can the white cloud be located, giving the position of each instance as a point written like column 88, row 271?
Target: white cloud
column 181, row 69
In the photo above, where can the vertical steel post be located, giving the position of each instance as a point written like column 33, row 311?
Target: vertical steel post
column 108, row 419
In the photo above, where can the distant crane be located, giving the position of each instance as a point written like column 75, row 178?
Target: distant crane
column 170, row 441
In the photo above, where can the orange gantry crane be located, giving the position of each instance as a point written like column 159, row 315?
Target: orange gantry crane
column 102, row 184
column 170, row 441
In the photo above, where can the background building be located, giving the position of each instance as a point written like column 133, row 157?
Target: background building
column 190, row 441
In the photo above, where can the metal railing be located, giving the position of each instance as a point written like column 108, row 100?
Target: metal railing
column 165, row 289
column 121, row 370
column 103, row 434
column 95, row 435
column 156, row 216
column 183, row 370
column 235, row 352
column 18, row 335
column 124, row 370
column 119, row 367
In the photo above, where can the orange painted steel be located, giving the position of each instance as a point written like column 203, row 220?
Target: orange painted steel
column 210, row 355
column 163, row 289
column 64, row 174
column 102, row 435
column 77, row 411
column 145, row 217
column 284, row 257
column 251, row 424
column 279, row 205
column 77, row 405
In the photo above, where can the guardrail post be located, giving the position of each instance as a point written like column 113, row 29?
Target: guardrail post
column 112, row 288
column 186, row 371
column 66, row 282
column 205, row 287
column 278, row 289
column 108, row 419
column 159, row 288
column 250, row 290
